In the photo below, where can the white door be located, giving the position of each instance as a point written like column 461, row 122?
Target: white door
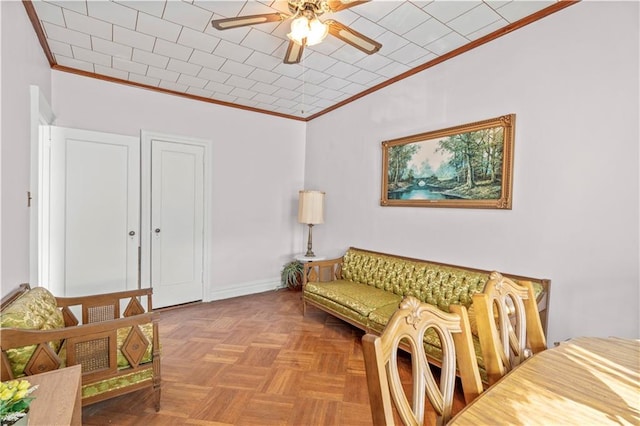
column 177, row 222
column 94, row 212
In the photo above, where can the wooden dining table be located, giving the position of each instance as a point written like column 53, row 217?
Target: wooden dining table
column 583, row 381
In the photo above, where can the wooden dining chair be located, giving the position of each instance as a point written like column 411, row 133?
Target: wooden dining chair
column 508, row 322
column 408, row 326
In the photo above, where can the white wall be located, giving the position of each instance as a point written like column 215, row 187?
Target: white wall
column 23, row 64
column 257, row 170
column 572, row 81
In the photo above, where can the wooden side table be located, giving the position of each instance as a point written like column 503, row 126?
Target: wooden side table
column 58, row 397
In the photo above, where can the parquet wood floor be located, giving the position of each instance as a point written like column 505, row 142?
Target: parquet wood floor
column 252, row 360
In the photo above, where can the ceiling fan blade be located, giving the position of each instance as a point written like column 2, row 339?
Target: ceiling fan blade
column 352, row 37
column 336, row 5
column 294, row 53
column 241, row 21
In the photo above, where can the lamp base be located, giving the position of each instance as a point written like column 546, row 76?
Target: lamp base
column 309, row 252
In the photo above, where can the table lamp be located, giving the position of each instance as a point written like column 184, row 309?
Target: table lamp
column 310, row 212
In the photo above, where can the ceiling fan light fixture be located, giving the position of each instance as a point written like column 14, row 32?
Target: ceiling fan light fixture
column 311, row 29
column 318, row 30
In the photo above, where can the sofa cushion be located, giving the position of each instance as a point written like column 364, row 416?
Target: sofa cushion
column 361, row 298
column 34, row 310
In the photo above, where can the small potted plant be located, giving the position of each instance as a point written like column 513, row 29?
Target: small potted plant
column 291, row 274
column 14, row 401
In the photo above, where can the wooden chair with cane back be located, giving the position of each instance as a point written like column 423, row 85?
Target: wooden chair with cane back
column 509, row 326
column 407, row 327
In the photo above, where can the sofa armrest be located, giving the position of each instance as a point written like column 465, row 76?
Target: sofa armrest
column 105, row 307
column 94, row 346
column 322, row 270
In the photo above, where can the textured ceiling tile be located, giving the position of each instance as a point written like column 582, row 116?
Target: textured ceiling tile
column 390, row 43
column 154, row 8
column 447, row 43
column 318, row 62
column 143, row 79
column 287, row 83
column 517, row 10
column 354, row 88
column 88, row 25
column 287, row 94
column 340, row 69
column 150, row 58
column 199, row 92
column 262, row 42
column 265, row 99
column 235, row 35
column 409, row 53
column 111, row 72
column 192, row 81
column 243, row 83
column 221, row 9
column 404, row 18
column 198, row 40
column 172, row 50
column 110, row 48
column 264, row 76
column 60, row 48
column 236, row 68
column 219, row 87
column 264, row 88
column 427, row 32
column 210, row 61
column 132, row 67
column 113, row 12
column 184, row 67
column 373, row 62
column 377, row 10
column 473, row 20
column 362, row 77
column 445, row 11
column 49, row 12
column 314, row 77
column 349, row 54
column 243, row 93
column 335, row 83
column 393, row 69
column 74, row 63
column 132, row 38
column 260, row 60
column 173, row 86
column 151, row 25
column 163, row 74
column 78, row 6
column 214, row 75
column 91, row 56
column 186, row 14
column 233, row 51
column 487, row 30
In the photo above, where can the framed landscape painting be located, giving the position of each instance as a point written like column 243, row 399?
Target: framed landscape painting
column 468, row 166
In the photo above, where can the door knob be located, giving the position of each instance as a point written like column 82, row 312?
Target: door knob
column 157, row 230
column 132, row 233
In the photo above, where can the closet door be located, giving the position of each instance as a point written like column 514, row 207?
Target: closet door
column 94, row 212
column 177, row 222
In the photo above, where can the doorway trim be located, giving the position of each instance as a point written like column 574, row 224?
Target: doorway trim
column 41, row 115
column 146, row 137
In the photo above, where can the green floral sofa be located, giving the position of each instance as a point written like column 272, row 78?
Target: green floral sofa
column 364, row 288
column 118, row 353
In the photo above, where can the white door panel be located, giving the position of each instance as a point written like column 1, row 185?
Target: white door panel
column 177, row 215
column 95, row 205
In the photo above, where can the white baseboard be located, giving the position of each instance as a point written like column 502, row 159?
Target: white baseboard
column 244, row 289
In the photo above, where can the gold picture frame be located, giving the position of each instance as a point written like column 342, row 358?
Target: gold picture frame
column 466, row 166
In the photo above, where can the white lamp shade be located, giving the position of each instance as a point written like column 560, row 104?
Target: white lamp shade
column 311, row 207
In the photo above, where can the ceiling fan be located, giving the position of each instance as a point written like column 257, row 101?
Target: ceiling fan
column 306, row 28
